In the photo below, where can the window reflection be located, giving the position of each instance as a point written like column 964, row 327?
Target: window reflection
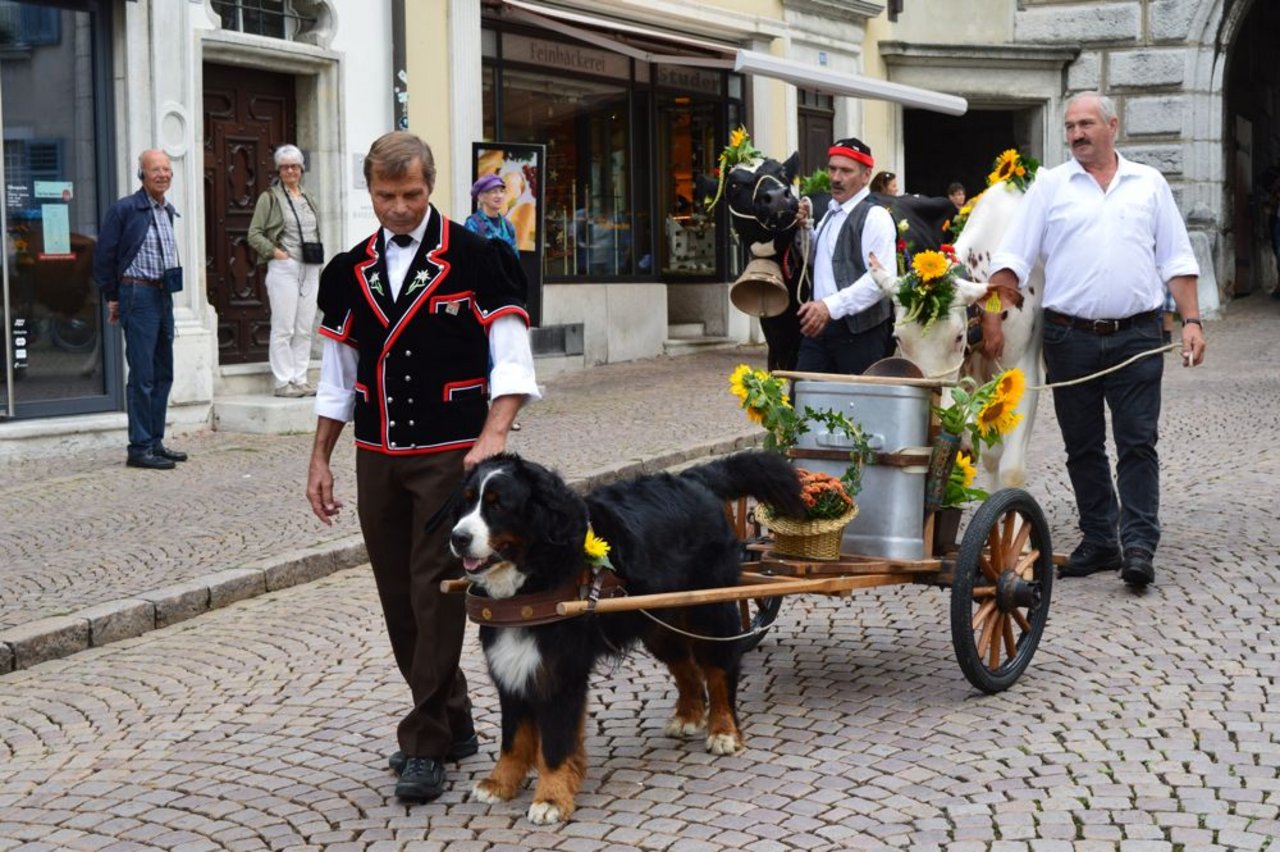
column 585, row 126
column 687, row 147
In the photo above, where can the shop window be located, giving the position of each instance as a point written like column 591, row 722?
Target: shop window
column 587, row 194
column 688, row 145
column 271, row 18
column 28, row 26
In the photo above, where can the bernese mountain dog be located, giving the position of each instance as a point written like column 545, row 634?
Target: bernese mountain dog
column 520, row 530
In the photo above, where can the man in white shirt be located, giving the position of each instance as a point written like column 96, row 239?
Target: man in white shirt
column 853, row 228
column 1111, row 237
column 412, row 316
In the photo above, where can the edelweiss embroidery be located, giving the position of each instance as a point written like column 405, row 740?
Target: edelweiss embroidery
column 419, row 281
column 375, row 284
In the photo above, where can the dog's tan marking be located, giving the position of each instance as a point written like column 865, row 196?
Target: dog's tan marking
column 508, row 774
column 553, row 799
column 723, row 736
column 691, row 705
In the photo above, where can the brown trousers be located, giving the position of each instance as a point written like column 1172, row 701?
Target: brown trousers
column 397, row 496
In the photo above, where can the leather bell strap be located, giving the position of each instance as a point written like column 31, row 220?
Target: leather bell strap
column 530, row 610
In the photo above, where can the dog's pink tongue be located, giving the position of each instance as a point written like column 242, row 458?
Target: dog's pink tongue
column 470, row 564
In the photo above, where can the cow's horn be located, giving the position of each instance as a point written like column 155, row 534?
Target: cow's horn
column 760, row 290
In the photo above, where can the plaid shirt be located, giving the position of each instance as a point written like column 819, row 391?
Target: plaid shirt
column 159, row 250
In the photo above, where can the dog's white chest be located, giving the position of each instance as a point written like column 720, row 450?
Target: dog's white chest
column 514, row 660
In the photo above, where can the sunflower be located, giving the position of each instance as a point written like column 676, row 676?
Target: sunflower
column 930, row 265
column 595, row 548
column 756, row 415
column 1010, row 385
column 964, row 463
column 997, row 417
column 735, row 382
column 737, row 137
column 1005, row 167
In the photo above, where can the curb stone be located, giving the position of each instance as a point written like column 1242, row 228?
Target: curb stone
column 60, row 636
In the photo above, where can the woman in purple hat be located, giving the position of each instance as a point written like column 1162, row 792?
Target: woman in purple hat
column 489, row 192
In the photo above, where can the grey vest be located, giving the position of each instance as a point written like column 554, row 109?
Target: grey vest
column 848, row 266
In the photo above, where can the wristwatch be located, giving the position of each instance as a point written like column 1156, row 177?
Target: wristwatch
column 1192, row 321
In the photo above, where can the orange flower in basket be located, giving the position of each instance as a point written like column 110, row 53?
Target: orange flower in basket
column 823, row 495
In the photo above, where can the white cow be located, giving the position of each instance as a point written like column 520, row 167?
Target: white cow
column 939, row 352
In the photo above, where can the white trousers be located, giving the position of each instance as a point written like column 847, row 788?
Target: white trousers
column 291, row 288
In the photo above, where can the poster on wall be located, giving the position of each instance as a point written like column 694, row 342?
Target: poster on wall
column 520, row 167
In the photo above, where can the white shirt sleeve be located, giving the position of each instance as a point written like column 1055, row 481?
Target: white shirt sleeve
column 512, row 358
column 336, row 391
column 1173, row 253
column 878, row 237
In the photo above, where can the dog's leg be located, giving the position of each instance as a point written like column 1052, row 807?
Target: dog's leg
column 520, row 750
column 562, row 762
column 723, row 735
column 690, row 718
column 720, row 663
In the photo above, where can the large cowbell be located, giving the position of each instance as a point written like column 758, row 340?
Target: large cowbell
column 760, row 290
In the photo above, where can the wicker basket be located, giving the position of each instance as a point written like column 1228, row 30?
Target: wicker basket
column 809, row 539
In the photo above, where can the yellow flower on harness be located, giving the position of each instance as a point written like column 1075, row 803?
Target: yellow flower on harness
column 596, row 549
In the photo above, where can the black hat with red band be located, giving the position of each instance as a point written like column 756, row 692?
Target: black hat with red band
column 854, row 149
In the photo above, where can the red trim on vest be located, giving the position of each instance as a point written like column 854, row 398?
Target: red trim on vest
column 416, row 451
column 510, row 310
column 450, row 388
column 371, row 249
column 858, row 156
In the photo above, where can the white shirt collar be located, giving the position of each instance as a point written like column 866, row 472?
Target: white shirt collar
column 416, row 233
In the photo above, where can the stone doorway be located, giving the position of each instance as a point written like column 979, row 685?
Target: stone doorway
column 247, row 114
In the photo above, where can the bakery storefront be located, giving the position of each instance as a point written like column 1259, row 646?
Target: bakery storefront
column 628, row 143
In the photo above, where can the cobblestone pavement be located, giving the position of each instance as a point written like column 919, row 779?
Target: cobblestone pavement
column 1145, row 721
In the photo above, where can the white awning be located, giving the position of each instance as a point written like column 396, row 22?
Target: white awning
column 808, row 76
column 571, row 22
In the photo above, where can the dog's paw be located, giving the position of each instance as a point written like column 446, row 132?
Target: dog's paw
column 724, row 744
column 488, row 792
column 678, row 727
column 545, row 813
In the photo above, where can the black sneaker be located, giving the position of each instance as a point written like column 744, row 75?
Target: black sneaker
column 457, row 751
column 421, row 780
column 1090, row 558
column 1138, row 571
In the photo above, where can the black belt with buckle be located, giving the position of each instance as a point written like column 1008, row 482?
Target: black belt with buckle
column 142, row 282
column 1099, row 326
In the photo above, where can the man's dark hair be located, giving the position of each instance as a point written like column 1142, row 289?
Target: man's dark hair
column 953, row 186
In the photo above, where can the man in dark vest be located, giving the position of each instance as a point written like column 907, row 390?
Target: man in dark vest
column 853, row 228
column 412, row 316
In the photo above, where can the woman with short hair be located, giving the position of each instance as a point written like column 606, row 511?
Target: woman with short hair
column 285, row 234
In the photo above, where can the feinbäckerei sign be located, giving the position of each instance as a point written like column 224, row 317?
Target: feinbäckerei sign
column 564, row 57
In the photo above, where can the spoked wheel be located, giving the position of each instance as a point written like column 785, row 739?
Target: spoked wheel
column 758, row 614
column 1000, row 596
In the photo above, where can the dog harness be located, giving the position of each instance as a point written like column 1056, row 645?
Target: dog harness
column 529, row 610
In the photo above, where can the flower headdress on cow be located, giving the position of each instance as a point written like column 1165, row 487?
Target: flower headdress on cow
column 739, row 152
column 926, row 292
column 1011, row 167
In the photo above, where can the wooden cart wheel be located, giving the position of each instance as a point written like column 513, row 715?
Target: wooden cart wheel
column 758, row 614
column 1000, row 596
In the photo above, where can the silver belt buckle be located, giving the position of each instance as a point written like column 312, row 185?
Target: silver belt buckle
column 1107, row 326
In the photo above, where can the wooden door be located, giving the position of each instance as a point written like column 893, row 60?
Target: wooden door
column 247, row 114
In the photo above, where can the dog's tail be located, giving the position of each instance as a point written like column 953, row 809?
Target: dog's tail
column 768, row 477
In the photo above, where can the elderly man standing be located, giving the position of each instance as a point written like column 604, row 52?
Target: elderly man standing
column 136, row 266
column 1111, row 237
column 852, row 229
column 412, row 315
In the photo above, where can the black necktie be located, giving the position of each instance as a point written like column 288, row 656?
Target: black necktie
column 402, row 240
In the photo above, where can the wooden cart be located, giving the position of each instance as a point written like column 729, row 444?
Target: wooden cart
column 1000, row 575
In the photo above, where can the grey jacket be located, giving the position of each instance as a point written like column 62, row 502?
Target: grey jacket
column 268, row 222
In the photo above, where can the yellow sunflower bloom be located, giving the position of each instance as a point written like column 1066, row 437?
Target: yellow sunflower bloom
column 755, row 415
column 929, row 265
column 1010, row 386
column 595, row 547
column 736, row 385
column 737, row 137
column 1005, row 166
column 997, row 417
column 965, row 463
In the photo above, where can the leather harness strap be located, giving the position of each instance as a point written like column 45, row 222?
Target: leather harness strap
column 534, row 608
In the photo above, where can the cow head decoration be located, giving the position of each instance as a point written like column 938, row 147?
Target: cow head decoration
column 762, row 209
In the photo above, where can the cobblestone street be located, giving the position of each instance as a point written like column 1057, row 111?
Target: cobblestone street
column 1145, row 722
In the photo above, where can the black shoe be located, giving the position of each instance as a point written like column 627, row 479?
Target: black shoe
column 1090, row 558
column 457, row 751
column 421, row 781
column 150, row 460
column 165, row 453
column 1138, row 571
